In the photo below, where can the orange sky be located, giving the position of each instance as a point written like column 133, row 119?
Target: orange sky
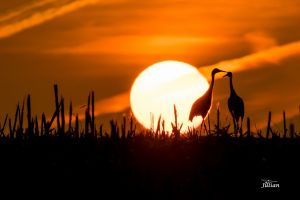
column 103, row 45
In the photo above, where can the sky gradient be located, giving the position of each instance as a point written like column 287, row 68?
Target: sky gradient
column 98, row 45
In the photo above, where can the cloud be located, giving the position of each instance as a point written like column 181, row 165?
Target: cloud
column 29, row 16
column 273, row 55
column 21, row 11
column 114, row 104
column 260, row 40
column 110, row 105
column 141, row 44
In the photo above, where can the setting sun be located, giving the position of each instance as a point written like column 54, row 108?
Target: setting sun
column 162, row 85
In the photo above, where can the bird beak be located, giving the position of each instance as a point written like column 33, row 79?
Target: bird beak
column 225, row 75
column 222, row 71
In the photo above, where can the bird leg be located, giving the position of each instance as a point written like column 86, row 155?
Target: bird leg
column 200, row 128
column 237, row 126
column 241, row 128
column 234, row 127
column 205, row 128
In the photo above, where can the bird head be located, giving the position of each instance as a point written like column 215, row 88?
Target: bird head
column 229, row 74
column 216, row 70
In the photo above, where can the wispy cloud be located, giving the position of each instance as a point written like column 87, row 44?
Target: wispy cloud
column 22, row 10
column 260, row 40
column 255, row 60
column 141, row 44
column 114, row 104
column 38, row 13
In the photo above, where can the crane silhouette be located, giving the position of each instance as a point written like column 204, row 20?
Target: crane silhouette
column 203, row 104
column 235, row 106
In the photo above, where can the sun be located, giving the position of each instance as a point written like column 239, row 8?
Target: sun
column 160, row 86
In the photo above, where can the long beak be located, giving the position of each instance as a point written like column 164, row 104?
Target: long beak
column 225, row 75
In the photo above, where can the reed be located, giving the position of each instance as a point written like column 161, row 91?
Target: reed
column 248, row 128
column 57, row 105
column 284, row 125
column 70, row 118
column 76, row 126
column 123, row 128
column 15, row 128
column 44, row 125
column 269, row 125
column 3, row 127
column 36, row 126
column 15, row 120
column 93, row 114
column 176, row 127
column 158, row 127
column 21, row 116
column 62, row 103
column 292, row 130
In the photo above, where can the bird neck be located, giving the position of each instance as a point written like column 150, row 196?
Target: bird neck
column 212, row 82
column 232, row 91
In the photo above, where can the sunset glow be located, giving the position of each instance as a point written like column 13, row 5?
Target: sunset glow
column 162, row 85
column 104, row 45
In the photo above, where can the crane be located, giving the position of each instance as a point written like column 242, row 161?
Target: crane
column 235, row 106
column 203, row 104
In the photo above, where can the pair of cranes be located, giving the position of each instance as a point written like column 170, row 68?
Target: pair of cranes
column 235, row 103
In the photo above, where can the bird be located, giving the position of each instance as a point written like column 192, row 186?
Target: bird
column 235, row 106
column 203, row 104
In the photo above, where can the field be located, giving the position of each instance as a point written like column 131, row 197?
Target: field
column 55, row 156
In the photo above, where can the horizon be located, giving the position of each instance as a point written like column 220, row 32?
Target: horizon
column 91, row 45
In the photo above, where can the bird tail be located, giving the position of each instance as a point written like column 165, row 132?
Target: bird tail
column 191, row 117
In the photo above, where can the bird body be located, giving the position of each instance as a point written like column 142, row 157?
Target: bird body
column 235, row 105
column 202, row 105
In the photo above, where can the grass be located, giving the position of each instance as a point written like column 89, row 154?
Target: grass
column 124, row 162
column 14, row 127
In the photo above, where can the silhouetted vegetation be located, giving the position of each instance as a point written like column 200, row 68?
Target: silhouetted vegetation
column 123, row 162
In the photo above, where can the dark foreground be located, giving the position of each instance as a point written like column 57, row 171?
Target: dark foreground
column 147, row 168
